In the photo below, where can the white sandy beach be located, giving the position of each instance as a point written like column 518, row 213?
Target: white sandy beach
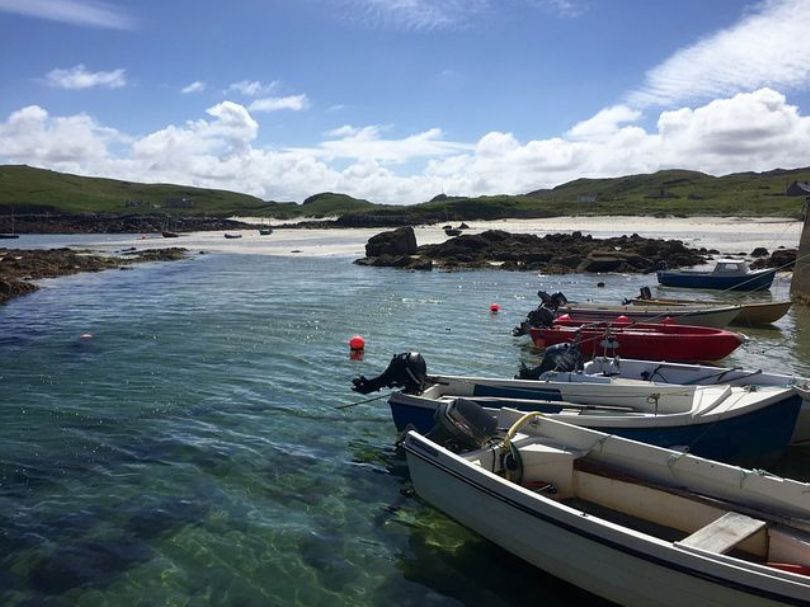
column 728, row 235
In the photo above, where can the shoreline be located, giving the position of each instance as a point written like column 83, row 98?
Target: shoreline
column 96, row 252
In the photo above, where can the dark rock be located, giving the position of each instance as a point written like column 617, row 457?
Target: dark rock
column 401, row 241
column 759, row 252
column 784, row 259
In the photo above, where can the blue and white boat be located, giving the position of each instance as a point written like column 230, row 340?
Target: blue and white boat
column 728, row 274
column 732, row 424
column 701, row 375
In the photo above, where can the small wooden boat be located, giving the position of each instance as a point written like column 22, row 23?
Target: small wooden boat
column 659, row 372
column 169, row 234
column 752, row 313
column 633, row 523
column 728, row 274
column 651, row 341
column 229, row 235
column 705, row 316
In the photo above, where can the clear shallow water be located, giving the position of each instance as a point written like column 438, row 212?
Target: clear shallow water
column 191, row 452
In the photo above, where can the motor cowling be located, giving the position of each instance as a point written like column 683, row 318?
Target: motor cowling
column 407, row 370
column 565, row 357
column 462, row 425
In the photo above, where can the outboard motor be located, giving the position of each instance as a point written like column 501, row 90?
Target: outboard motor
column 407, row 370
column 552, row 301
column 565, row 357
column 645, row 293
column 542, row 316
column 462, row 425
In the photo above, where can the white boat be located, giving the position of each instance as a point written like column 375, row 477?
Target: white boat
column 632, row 523
column 703, row 316
column 659, row 372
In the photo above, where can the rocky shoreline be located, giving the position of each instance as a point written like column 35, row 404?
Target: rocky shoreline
column 97, row 223
column 549, row 254
column 18, row 267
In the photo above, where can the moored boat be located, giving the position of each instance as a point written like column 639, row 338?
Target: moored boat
column 729, row 424
column 630, row 522
column 659, row 372
column 751, row 313
column 717, row 316
column 232, row 235
column 658, row 341
column 727, row 274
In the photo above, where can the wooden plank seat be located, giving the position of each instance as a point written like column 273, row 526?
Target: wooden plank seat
column 724, row 533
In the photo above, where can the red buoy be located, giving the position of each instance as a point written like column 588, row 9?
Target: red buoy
column 494, row 307
column 622, row 320
column 357, row 343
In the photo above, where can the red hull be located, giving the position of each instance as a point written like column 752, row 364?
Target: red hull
column 674, row 343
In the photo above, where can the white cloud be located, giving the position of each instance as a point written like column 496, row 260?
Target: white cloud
column 605, row 123
column 754, row 131
column 251, row 88
column 768, row 47
column 198, row 86
column 76, row 12
column 79, row 78
column 274, row 104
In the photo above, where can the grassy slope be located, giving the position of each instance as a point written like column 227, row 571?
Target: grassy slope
column 665, row 192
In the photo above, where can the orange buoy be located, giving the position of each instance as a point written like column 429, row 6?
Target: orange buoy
column 494, row 307
column 357, row 343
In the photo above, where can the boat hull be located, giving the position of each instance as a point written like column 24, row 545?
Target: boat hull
column 755, row 438
column 714, row 316
column 755, row 281
column 625, row 567
column 648, row 341
column 751, row 314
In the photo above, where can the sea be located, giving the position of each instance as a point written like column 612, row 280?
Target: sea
column 185, row 434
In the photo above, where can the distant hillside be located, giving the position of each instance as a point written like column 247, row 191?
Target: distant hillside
column 673, row 192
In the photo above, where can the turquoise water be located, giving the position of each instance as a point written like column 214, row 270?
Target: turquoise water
column 190, row 452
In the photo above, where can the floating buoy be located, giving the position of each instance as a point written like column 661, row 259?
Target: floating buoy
column 357, row 343
column 622, row 320
column 600, row 284
column 494, row 307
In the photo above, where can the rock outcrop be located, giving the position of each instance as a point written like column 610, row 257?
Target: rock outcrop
column 550, row 254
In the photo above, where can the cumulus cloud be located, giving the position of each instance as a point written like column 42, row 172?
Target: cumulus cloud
column 79, row 78
column 274, row 104
column 198, row 86
column 753, row 131
column 76, row 12
column 766, row 48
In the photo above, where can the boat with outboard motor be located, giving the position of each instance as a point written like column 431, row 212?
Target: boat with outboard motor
column 655, row 341
column 752, row 313
column 633, row 523
column 665, row 372
column 729, row 424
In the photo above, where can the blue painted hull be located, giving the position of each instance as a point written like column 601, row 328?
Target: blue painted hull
column 755, row 281
column 752, row 439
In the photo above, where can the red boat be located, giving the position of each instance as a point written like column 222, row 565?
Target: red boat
column 651, row 341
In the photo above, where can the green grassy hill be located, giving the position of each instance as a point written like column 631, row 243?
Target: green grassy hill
column 673, row 192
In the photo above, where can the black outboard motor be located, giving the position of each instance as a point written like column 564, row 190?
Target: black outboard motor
column 552, row 301
column 407, row 370
column 542, row 316
column 565, row 357
column 462, row 425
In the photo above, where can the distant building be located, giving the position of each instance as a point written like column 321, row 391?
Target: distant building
column 798, row 188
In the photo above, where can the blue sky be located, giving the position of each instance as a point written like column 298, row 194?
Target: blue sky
column 399, row 100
